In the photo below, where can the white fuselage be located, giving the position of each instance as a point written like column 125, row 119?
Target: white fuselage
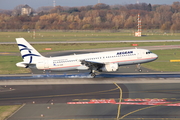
column 73, row 62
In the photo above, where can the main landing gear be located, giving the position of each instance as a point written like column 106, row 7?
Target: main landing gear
column 139, row 67
column 47, row 72
column 92, row 73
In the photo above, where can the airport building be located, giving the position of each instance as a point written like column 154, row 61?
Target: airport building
column 26, row 10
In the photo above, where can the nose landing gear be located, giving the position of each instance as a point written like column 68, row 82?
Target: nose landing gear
column 139, row 67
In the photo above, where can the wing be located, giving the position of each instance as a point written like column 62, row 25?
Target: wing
column 92, row 64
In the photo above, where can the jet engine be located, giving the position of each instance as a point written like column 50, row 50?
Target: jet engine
column 109, row 67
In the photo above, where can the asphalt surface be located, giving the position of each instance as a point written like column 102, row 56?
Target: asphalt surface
column 75, row 101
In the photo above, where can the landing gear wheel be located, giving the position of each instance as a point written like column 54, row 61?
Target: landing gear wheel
column 139, row 67
column 93, row 75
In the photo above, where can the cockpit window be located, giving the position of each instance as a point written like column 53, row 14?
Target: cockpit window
column 149, row 52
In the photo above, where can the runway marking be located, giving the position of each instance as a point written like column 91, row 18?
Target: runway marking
column 146, row 99
column 136, row 111
column 152, row 102
column 95, row 101
column 165, row 104
column 120, row 99
column 129, row 99
column 85, row 99
column 123, row 119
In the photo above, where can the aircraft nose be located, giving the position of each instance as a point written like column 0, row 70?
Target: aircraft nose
column 155, row 56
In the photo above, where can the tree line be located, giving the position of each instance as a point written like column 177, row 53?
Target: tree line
column 97, row 17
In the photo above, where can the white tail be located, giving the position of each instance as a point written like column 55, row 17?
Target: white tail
column 28, row 53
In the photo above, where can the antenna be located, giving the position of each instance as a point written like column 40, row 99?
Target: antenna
column 139, row 23
column 138, row 33
column 54, row 3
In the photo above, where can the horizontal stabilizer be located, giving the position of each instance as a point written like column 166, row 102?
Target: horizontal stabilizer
column 24, row 64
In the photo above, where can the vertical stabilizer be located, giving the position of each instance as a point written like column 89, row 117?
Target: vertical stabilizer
column 28, row 53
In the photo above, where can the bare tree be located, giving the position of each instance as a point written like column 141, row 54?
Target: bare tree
column 176, row 7
column 17, row 10
column 44, row 9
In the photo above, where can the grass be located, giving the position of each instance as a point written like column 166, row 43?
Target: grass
column 163, row 62
column 84, row 36
column 5, row 111
column 8, row 65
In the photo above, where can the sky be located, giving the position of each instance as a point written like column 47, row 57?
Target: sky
column 11, row 4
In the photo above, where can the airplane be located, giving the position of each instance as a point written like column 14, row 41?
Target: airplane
column 95, row 62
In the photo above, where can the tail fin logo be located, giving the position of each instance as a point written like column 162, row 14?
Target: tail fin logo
column 30, row 53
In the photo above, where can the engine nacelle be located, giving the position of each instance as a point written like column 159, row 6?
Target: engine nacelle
column 82, row 67
column 110, row 67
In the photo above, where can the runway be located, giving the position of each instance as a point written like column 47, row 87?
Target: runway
column 85, row 78
column 160, row 100
column 146, row 95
